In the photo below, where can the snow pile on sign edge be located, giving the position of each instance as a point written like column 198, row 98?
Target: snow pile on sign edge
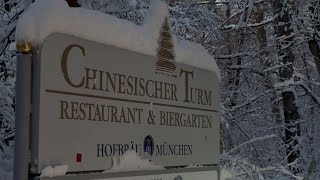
column 226, row 174
column 131, row 161
column 45, row 17
column 55, row 171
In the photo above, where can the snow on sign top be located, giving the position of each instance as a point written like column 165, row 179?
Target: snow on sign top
column 45, row 17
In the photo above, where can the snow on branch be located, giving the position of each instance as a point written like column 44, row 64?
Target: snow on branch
column 254, row 25
column 230, row 56
column 314, row 97
column 243, row 104
column 238, row 13
column 244, row 168
column 251, row 141
column 277, row 67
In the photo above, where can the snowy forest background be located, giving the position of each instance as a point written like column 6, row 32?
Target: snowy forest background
column 268, row 52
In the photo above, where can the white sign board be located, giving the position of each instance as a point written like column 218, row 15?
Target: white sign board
column 92, row 102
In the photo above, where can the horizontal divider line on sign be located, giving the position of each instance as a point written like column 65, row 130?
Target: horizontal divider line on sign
column 125, row 100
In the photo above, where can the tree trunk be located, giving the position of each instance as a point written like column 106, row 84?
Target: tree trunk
column 261, row 32
column 226, row 140
column 315, row 50
column 313, row 44
column 262, row 39
column 291, row 115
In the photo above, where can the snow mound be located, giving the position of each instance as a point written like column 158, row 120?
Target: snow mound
column 54, row 171
column 226, row 174
column 45, row 17
column 131, row 161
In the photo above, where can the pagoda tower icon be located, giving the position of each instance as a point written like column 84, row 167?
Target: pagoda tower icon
column 165, row 54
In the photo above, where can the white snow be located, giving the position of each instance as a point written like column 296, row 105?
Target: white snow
column 224, row 122
column 226, row 174
column 131, row 161
column 284, row 83
column 45, row 17
column 54, row 171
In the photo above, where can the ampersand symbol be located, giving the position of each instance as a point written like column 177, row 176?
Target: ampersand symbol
column 151, row 117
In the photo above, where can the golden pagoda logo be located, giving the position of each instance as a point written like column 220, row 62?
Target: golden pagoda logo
column 165, row 63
